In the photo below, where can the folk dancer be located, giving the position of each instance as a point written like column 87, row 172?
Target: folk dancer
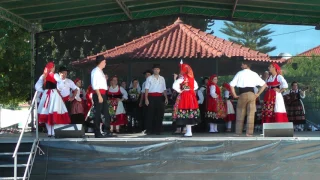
column 202, row 91
column 99, row 85
column 133, row 110
column 273, row 109
column 65, row 87
column 231, row 115
column 176, row 96
column 246, row 80
column 78, row 104
column 116, row 96
column 215, row 108
column 156, row 99
column 142, row 105
column 188, row 108
column 294, row 106
column 51, row 109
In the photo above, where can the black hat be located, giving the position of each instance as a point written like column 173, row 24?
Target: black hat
column 147, row 71
column 156, row 66
column 99, row 59
column 63, row 68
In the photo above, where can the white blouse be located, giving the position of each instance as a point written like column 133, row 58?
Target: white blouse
column 213, row 93
column 176, row 85
column 123, row 91
column 281, row 80
column 226, row 94
column 302, row 93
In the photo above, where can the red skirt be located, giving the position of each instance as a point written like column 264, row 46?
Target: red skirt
column 77, row 107
column 188, row 100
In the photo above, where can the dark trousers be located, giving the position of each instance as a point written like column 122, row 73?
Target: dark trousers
column 101, row 108
column 155, row 114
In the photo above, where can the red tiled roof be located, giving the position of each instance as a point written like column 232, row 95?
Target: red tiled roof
column 310, row 52
column 180, row 41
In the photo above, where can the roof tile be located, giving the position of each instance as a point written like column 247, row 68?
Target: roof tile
column 180, row 41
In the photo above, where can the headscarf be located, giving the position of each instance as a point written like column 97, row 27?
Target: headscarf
column 185, row 69
column 76, row 80
column 277, row 67
column 227, row 86
column 131, row 86
column 210, row 83
column 46, row 71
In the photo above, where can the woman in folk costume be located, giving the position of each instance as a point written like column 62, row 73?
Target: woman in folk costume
column 176, row 95
column 294, row 106
column 231, row 115
column 273, row 109
column 188, row 113
column 116, row 95
column 52, row 109
column 215, row 111
column 78, row 104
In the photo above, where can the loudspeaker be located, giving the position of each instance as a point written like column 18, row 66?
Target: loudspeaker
column 278, row 129
column 69, row 131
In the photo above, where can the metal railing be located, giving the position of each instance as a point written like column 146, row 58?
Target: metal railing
column 35, row 146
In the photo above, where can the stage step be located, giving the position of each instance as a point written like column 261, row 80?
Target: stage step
column 7, row 162
column 9, row 178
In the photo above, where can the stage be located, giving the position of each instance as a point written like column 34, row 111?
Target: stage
column 204, row 156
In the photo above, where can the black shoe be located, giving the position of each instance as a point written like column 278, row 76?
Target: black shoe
column 109, row 134
column 99, row 136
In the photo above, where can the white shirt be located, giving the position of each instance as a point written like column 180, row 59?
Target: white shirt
column 281, row 80
column 176, row 85
column 226, row 94
column 213, row 93
column 200, row 96
column 122, row 90
column 98, row 79
column 302, row 93
column 247, row 78
column 77, row 97
column 202, row 89
column 64, row 87
column 143, row 90
column 155, row 85
column 39, row 85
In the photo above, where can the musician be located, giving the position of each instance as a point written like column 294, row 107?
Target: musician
column 294, row 106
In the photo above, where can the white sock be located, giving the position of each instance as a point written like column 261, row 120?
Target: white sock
column 49, row 128
column 229, row 124
column 189, row 131
column 117, row 127
column 111, row 128
column 215, row 127
column 52, row 130
column 211, row 127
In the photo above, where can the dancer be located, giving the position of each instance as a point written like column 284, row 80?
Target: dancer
column 188, row 109
column 51, row 109
column 142, row 105
column 78, row 104
column 65, row 87
column 246, row 80
column 202, row 91
column 133, row 110
column 99, row 86
column 215, row 109
column 176, row 96
column 294, row 106
column 155, row 90
column 231, row 116
column 116, row 96
column 273, row 109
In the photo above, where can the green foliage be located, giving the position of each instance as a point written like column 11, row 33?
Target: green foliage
column 306, row 74
column 251, row 35
column 14, row 64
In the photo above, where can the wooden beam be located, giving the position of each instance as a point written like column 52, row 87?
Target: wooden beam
column 124, row 8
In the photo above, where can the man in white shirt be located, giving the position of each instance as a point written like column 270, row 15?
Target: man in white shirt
column 246, row 80
column 143, row 122
column 155, row 89
column 65, row 87
column 99, row 97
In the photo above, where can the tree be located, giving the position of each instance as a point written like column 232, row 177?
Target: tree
column 306, row 72
column 14, row 64
column 251, row 35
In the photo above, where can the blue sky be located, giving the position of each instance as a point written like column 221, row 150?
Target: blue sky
column 292, row 43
